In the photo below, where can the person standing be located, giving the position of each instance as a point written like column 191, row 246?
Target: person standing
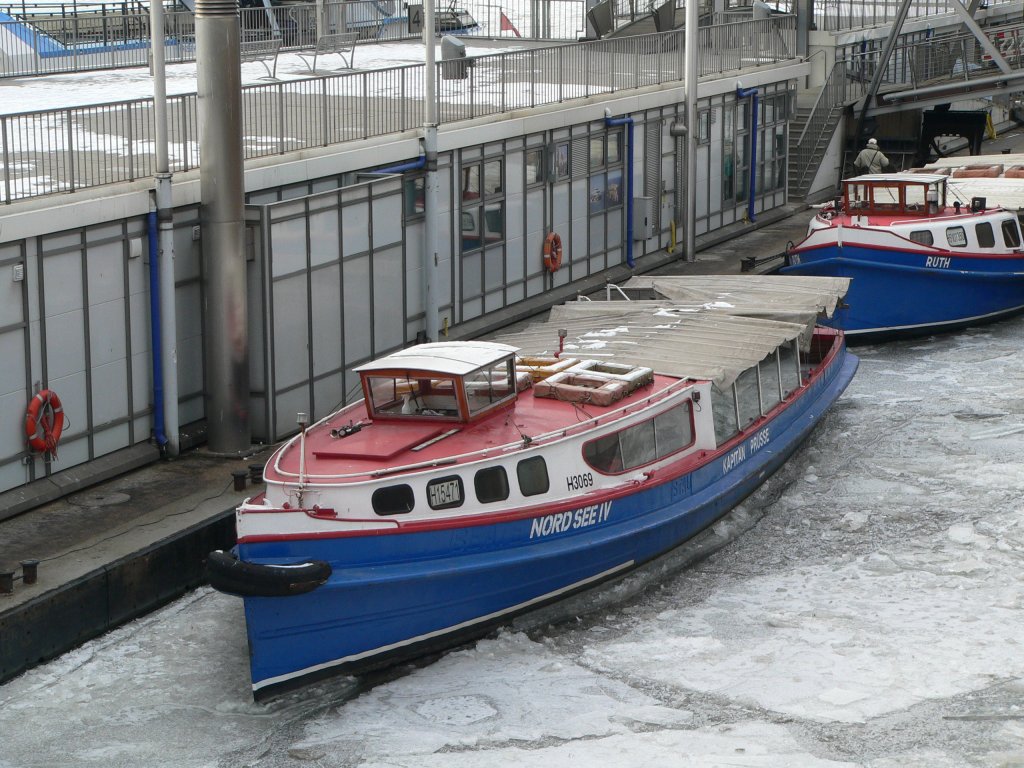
column 871, row 159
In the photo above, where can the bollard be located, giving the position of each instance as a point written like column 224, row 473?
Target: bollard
column 256, row 473
column 239, row 475
column 6, row 582
column 29, row 571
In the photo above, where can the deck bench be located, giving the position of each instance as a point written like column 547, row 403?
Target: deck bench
column 263, row 51
column 341, row 43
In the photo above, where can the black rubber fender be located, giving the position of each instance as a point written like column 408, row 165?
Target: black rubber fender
column 226, row 573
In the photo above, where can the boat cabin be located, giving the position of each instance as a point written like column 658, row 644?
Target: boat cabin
column 897, row 194
column 457, row 381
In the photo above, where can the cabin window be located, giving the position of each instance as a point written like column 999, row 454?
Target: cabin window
column 956, row 237
column 412, row 396
column 789, row 365
column 667, row 433
column 922, row 236
column 637, row 444
column 1011, row 234
column 393, row 500
column 771, row 392
column 445, row 492
column 986, row 237
column 723, row 406
column 488, row 386
column 533, row 476
column 673, row 429
column 491, row 485
column 748, row 398
column 885, row 198
column 914, row 196
column 603, row 454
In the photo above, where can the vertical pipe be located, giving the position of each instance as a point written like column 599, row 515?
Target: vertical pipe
column 154, row 330
column 166, row 316
column 431, row 189
column 222, row 188
column 691, row 78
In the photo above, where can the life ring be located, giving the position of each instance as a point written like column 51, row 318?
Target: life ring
column 552, row 252
column 44, row 421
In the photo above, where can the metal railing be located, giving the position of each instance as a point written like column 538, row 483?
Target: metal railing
column 40, row 44
column 844, row 15
column 61, row 150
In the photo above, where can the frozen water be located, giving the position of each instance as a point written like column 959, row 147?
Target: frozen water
column 863, row 608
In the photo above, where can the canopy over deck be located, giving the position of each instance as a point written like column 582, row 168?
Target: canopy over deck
column 702, row 327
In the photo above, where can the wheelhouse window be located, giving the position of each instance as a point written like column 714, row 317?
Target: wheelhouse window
column 399, row 396
column 771, row 391
column 723, row 406
column 748, row 397
column 491, row 485
column 393, row 500
column 663, row 435
column 1011, row 234
column 533, row 476
column 489, row 386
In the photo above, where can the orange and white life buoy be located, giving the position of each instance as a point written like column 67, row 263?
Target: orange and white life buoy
column 44, row 421
column 552, row 252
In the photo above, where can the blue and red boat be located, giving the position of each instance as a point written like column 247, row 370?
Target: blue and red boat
column 919, row 264
column 475, row 482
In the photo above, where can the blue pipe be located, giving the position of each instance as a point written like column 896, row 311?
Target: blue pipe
column 411, row 166
column 628, row 122
column 742, row 93
column 154, row 328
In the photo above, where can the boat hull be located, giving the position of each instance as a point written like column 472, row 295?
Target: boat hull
column 394, row 597
column 913, row 293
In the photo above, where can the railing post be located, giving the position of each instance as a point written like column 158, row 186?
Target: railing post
column 131, row 143
column 6, row 159
column 324, row 126
column 71, row 149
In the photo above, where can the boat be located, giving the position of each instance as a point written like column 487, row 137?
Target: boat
column 921, row 263
column 476, row 481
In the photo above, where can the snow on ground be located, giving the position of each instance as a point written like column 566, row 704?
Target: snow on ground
column 28, row 94
column 862, row 609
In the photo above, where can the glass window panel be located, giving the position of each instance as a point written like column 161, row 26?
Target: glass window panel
column 723, row 405
column 393, row 500
column 488, row 386
column 637, row 444
column 1011, row 234
column 493, row 177
column 749, row 398
column 769, row 368
column 673, row 430
column 533, row 476
column 614, row 147
column 790, row 367
column 471, row 183
column 603, row 454
column 986, row 237
column 597, row 152
column 922, row 236
column 956, row 237
column 534, row 166
column 491, row 485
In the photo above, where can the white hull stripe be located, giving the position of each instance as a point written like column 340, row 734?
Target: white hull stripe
column 447, row 630
column 958, row 321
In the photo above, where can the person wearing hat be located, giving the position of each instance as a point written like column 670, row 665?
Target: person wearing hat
column 871, row 159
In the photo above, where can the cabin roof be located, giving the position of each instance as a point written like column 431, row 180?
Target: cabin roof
column 455, row 358
column 917, row 178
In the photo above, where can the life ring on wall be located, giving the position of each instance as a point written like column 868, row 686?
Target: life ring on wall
column 44, row 421
column 552, row 252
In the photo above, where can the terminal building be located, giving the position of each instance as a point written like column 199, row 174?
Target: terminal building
column 574, row 126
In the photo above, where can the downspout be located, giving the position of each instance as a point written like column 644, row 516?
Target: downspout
column 742, row 93
column 154, row 330
column 413, row 165
column 628, row 122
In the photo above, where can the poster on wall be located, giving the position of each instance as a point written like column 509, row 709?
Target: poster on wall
column 613, row 194
column 597, row 190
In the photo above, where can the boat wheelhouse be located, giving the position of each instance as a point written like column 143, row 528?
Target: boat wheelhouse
column 475, row 482
column 919, row 263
